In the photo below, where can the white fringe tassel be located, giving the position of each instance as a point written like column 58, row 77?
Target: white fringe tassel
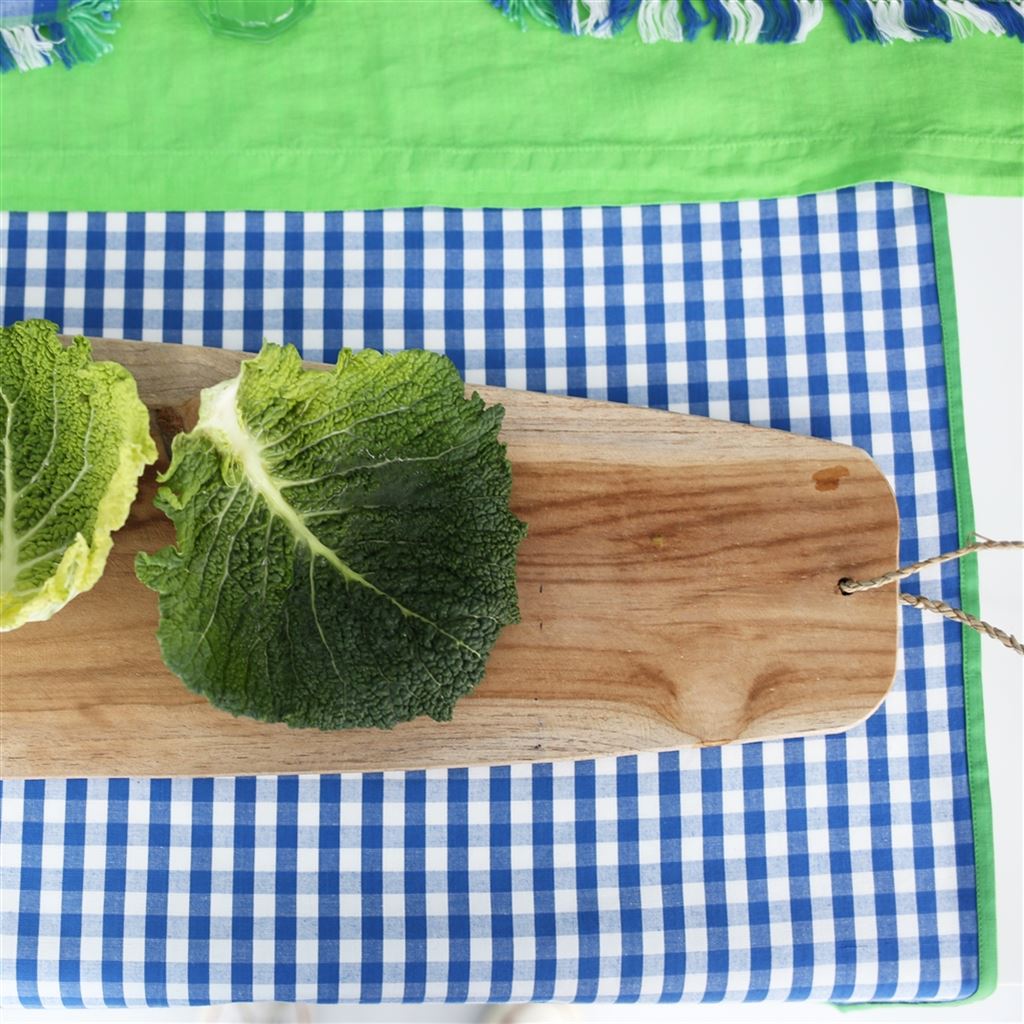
column 889, row 21
column 27, row 47
column 598, row 14
column 964, row 17
column 811, row 13
column 594, row 22
column 746, row 19
column 659, row 19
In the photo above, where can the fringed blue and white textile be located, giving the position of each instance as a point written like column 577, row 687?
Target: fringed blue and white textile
column 773, row 21
column 37, row 33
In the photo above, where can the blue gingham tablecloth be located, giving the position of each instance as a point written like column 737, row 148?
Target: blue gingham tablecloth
column 836, row 867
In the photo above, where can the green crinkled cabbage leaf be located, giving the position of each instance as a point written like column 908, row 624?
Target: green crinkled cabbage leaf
column 345, row 551
column 75, row 440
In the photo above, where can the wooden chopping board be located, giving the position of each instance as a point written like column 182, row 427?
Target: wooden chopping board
column 678, row 587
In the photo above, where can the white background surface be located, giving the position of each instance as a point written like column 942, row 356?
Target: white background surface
column 987, row 237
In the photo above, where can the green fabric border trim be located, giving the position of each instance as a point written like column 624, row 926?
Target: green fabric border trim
column 974, row 711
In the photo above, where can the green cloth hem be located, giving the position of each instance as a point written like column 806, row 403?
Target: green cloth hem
column 974, row 710
column 350, row 177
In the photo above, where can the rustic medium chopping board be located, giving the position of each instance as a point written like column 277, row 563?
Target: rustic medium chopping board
column 678, row 587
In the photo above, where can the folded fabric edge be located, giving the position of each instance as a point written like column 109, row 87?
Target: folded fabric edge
column 974, row 710
column 772, row 21
column 73, row 34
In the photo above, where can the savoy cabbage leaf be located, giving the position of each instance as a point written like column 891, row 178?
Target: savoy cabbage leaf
column 345, row 551
column 75, row 439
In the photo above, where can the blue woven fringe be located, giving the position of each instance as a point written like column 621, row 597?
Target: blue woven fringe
column 927, row 20
column 720, row 18
column 859, row 20
column 1011, row 18
column 691, row 19
column 38, row 33
column 782, row 21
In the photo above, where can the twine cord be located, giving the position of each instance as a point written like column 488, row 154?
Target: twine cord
column 850, row 586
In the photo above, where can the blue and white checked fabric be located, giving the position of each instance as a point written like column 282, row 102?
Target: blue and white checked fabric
column 827, row 868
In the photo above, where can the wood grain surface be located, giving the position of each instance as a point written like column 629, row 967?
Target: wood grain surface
column 678, row 587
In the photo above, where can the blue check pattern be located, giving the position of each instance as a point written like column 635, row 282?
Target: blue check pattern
column 837, row 867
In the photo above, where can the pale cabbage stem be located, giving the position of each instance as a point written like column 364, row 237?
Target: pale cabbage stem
column 9, row 554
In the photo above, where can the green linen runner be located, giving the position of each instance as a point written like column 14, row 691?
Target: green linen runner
column 382, row 103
